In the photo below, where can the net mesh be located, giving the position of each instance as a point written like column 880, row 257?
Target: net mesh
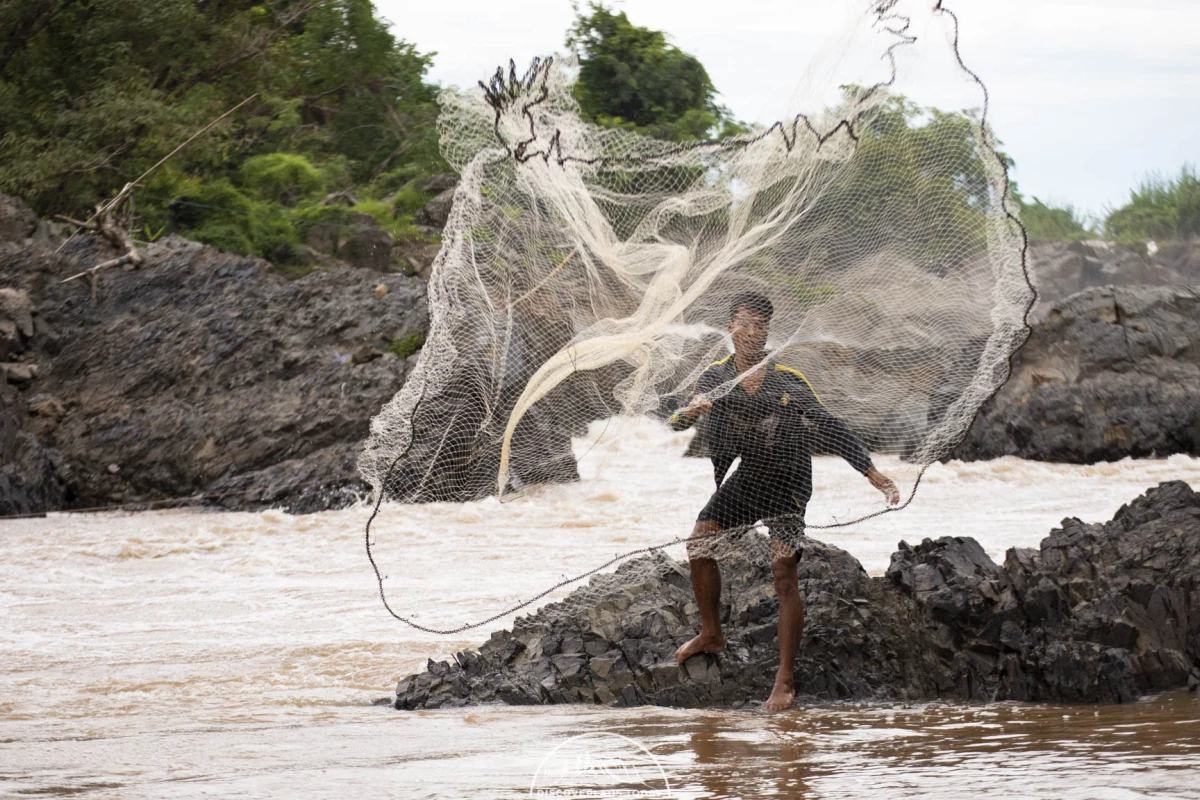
column 847, row 281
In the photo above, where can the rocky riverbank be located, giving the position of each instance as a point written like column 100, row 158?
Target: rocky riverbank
column 218, row 378
column 202, row 374
column 1110, row 372
column 1100, row 613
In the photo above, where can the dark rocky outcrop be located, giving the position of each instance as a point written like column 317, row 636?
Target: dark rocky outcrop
column 1061, row 269
column 203, row 373
column 1101, row 613
column 1110, row 372
column 434, row 214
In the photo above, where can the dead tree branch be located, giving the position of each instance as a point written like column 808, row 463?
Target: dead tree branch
column 107, row 224
column 121, row 195
column 345, row 195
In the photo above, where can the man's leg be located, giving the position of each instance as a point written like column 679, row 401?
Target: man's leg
column 706, row 585
column 791, row 624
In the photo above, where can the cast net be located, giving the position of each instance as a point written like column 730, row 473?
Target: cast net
column 589, row 273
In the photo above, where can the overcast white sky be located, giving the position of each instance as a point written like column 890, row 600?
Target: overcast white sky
column 1088, row 97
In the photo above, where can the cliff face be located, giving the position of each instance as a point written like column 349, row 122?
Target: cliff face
column 1108, row 373
column 202, row 373
column 1101, row 613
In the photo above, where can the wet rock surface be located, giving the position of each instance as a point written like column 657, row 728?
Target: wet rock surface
column 202, row 374
column 1110, row 372
column 1100, row 613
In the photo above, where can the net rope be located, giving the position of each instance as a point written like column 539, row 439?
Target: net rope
column 859, row 259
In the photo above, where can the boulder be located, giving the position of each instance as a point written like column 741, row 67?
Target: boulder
column 435, row 213
column 368, row 248
column 1110, row 372
column 17, row 221
column 1100, row 613
column 443, row 181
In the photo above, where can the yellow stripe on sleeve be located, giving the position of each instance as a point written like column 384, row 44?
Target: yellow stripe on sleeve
column 717, row 363
column 800, row 375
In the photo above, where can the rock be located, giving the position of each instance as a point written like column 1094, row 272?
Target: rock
column 204, row 374
column 1061, row 269
column 442, row 182
column 381, row 291
column 30, row 482
column 436, row 212
column 1100, row 613
column 419, row 256
column 19, row 374
column 17, row 221
column 16, row 321
column 324, row 238
column 368, row 248
column 1109, row 373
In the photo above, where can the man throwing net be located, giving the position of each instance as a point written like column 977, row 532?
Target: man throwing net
column 772, row 420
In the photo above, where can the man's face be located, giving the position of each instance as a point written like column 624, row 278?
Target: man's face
column 749, row 331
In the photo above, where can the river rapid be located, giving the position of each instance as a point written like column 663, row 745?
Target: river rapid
column 187, row 653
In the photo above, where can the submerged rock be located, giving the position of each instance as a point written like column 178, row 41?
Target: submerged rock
column 1101, row 613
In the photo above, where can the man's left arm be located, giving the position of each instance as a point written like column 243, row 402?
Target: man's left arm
column 834, row 436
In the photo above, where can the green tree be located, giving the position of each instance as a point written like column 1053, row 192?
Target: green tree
column 93, row 92
column 630, row 77
column 1160, row 209
column 917, row 185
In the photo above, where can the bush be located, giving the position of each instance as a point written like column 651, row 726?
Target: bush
column 1045, row 223
column 406, row 346
column 282, row 178
column 1160, row 209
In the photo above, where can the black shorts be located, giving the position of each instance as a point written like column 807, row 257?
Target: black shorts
column 745, row 499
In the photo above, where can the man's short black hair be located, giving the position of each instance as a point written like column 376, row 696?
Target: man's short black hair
column 757, row 302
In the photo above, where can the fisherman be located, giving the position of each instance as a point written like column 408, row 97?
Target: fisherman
column 773, row 420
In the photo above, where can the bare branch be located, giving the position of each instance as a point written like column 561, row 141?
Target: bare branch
column 344, row 194
column 101, row 210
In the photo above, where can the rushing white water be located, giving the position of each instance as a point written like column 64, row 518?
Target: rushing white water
column 183, row 653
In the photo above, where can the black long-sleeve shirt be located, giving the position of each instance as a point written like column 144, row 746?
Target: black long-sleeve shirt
column 775, row 430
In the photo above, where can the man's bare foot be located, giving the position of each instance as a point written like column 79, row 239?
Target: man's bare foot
column 701, row 644
column 781, row 697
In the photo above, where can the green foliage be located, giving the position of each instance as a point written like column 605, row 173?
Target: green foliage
column 406, row 346
column 916, row 185
column 1045, row 223
column 219, row 213
column 93, row 92
column 1161, row 209
column 630, row 77
column 408, row 198
column 282, row 178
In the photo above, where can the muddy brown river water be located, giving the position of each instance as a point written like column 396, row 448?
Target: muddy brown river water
column 190, row 653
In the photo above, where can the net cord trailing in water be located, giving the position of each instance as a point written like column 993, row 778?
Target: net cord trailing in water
column 874, row 240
